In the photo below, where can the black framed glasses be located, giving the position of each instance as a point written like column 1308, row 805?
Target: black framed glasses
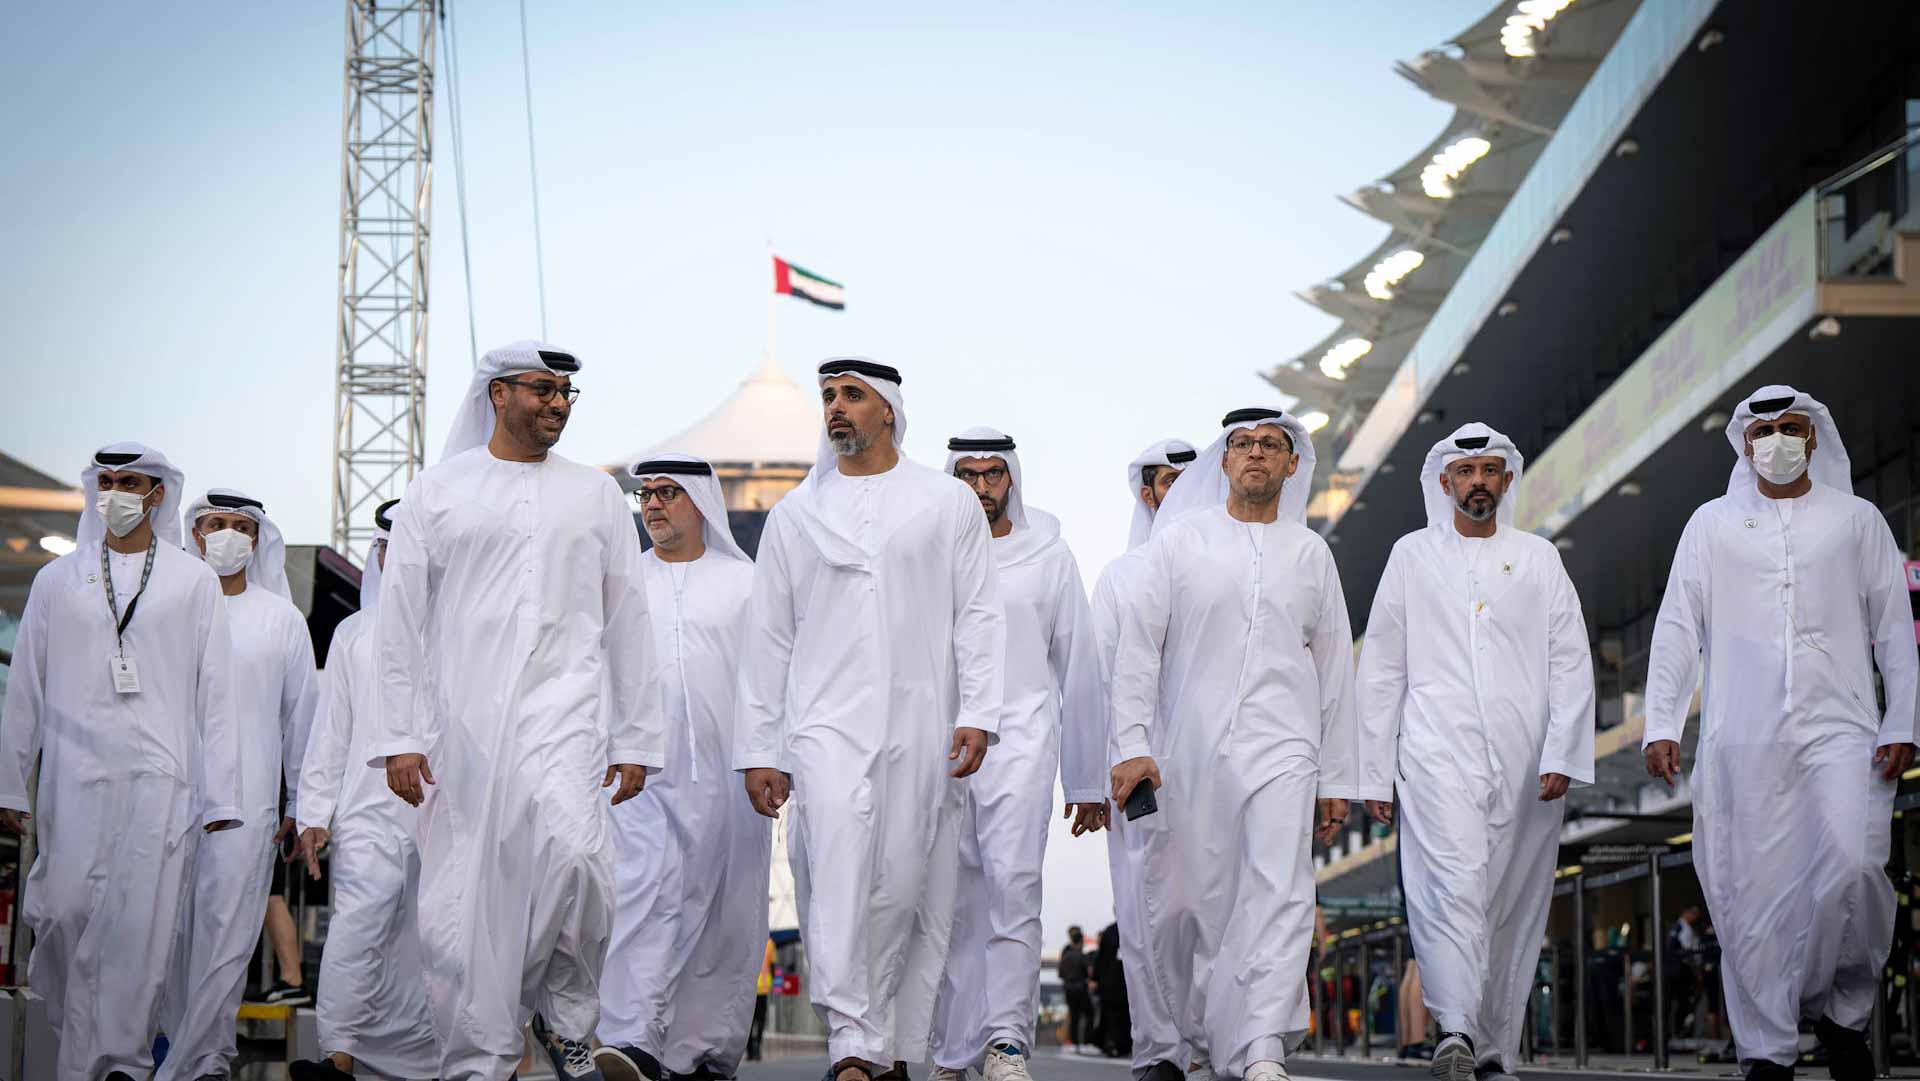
column 666, row 493
column 1268, row 445
column 992, row 474
column 545, row 391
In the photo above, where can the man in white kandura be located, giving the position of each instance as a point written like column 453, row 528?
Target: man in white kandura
column 1053, row 720
column 870, row 679
column 1476, row 683
column 690, row 877
column 516, row 673
column 1156, row 1039
column 1233, row 683
column 120, row 688
column 371, row 1007
column 1791, row 591
column 275, row 691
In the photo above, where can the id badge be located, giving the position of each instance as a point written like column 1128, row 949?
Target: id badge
column 126, row 675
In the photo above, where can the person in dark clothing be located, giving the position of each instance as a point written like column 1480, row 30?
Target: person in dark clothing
column 1116, row 1023
column 1074, row 979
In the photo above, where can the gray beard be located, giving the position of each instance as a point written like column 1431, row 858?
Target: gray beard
column 1478, row 514
column 848, row 445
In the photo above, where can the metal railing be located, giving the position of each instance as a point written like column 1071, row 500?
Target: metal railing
column 1864, row 208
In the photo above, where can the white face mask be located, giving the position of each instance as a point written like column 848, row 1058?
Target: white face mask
column 123, row 511
column 228, row 551
column 1781, row 459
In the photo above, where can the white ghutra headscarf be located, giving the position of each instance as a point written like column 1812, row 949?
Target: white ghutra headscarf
column 268, row 567
column 1827, row 463
column 473, row 424
column 1176, row 454
column 1474, row 440
column 1204, row 484
column 695, row 477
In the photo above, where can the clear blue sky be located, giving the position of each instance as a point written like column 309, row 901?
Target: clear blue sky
column 1077, row 222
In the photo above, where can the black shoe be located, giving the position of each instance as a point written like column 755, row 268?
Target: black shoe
column 118, row 1075
column 1765, row 1070
column 1849, row 1057
column 1162, row 1070
column 283, row 993
column 316, row 1070
column 627, row 1063
column 897, row 1073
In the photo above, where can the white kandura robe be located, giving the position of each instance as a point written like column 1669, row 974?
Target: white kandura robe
column 1791, row 604
column 371, row 1002
column 1475, row 678
column 1053, row 722
column 690, row 918
column 517, row 586
column 1235, row 672
column 126, row 783
column 876, row 630
column 275, row 691
column 1156, row 1038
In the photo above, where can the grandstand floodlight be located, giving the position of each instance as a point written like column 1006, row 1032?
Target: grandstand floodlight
column 1315, row 421
column 1529, row 17
column 1388, row 272
column 1439, row 174
column 1337, row 359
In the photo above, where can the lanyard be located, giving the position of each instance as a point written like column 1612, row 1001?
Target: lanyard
column 106, row 582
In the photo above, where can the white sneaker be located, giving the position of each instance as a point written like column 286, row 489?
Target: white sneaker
column 1452, row 1059
column 941, row 1073
column 1267, row 1070
column 1200, row 1069
column 1006, row 1065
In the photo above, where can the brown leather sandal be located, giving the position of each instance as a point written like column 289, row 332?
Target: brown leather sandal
column 859, row 1066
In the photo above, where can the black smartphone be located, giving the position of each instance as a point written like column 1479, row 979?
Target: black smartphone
column 1140, row 801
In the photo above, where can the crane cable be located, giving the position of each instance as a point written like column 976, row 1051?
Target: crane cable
column 533, row 172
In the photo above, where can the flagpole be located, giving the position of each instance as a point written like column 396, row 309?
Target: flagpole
column 771, row 311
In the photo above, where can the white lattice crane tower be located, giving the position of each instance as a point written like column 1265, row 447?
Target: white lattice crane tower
column 379, row 425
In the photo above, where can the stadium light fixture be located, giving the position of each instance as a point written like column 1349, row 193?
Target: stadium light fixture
column 1529, row 17
column 1445, row 168
column 1336, row 360
column 56, row 545
column 1315, row 421
column 1388, row 272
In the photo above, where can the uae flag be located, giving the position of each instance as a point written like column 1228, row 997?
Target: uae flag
column 799, row 282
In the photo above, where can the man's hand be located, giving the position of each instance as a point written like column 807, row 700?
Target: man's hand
column 15, row 822
column 223, row 825
column 1893, row 760
column 1663, row 760
column 285, row 831
column 313, row 841
column 969, row 749
column 632, row 779
column 1127, row 776
column 768, row 789
column 1381, row 811
column 1553, row 786
column 1087, row 817
column 1333, row 816
column 404, row 774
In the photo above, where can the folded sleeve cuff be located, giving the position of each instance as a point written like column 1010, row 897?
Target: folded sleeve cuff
column 221, row 814
column 1086, row 795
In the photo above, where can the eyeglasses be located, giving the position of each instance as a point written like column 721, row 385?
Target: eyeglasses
column 993, row 474
column 1269, row 445
column 665, row 494
column 545, row 391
